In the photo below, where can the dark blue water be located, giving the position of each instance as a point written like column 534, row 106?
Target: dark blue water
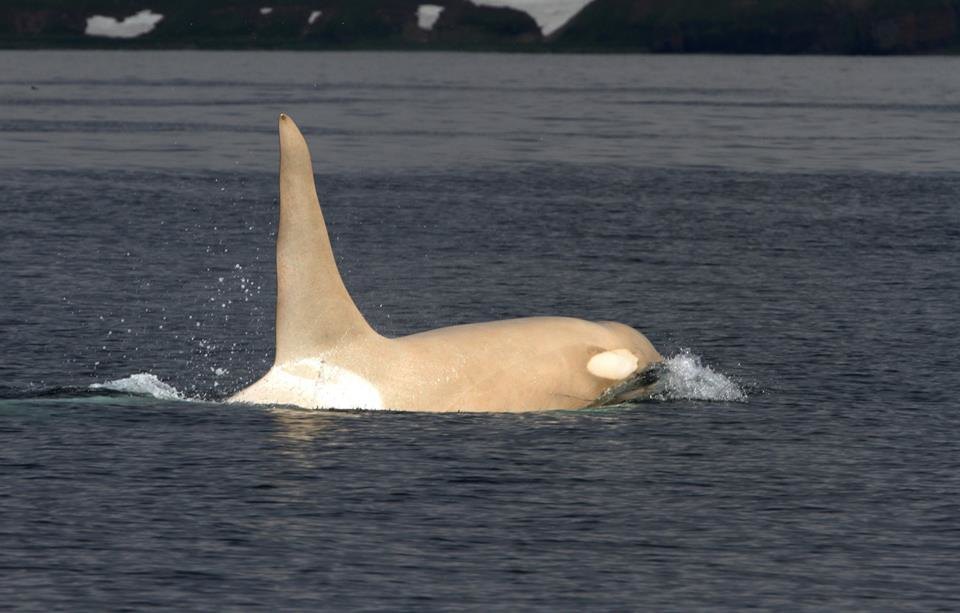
column 785, row 228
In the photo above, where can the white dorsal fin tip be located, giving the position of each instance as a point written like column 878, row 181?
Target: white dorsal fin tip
column 614, row 365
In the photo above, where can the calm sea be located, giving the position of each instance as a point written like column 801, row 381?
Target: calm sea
column 786, row 230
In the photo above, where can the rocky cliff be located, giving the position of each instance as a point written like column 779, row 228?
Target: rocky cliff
column 718, row 26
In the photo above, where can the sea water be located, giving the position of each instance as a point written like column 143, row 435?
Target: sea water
column 784, row 230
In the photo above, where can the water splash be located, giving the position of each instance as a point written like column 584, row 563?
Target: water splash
column 687, row 378
column 141, row 384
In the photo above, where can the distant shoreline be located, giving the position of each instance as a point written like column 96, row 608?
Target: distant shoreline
column 524, row 50
column 723, row 27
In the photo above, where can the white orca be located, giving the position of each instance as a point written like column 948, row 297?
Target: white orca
column 328, row 357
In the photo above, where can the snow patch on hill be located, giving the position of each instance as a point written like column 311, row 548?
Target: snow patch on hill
column 131, row 27
column 549, row 14
column 427, row 15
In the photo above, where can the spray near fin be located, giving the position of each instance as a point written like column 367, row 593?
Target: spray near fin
column 315, row 313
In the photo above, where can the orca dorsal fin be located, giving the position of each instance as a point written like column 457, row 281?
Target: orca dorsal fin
column 314, row 310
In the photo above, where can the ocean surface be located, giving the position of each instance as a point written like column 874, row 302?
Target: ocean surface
column 785, row 230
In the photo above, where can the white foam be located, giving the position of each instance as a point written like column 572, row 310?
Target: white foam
column 144, row 384
column 688, row 379
column 427, row 15
column 131, row 27
column 549, row 14
column 314, row 16
column 266, row 10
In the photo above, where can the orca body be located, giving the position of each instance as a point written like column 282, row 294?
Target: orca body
column 328, row 357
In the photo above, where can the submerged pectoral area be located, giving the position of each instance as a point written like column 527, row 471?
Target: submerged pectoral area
column 328, row 356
